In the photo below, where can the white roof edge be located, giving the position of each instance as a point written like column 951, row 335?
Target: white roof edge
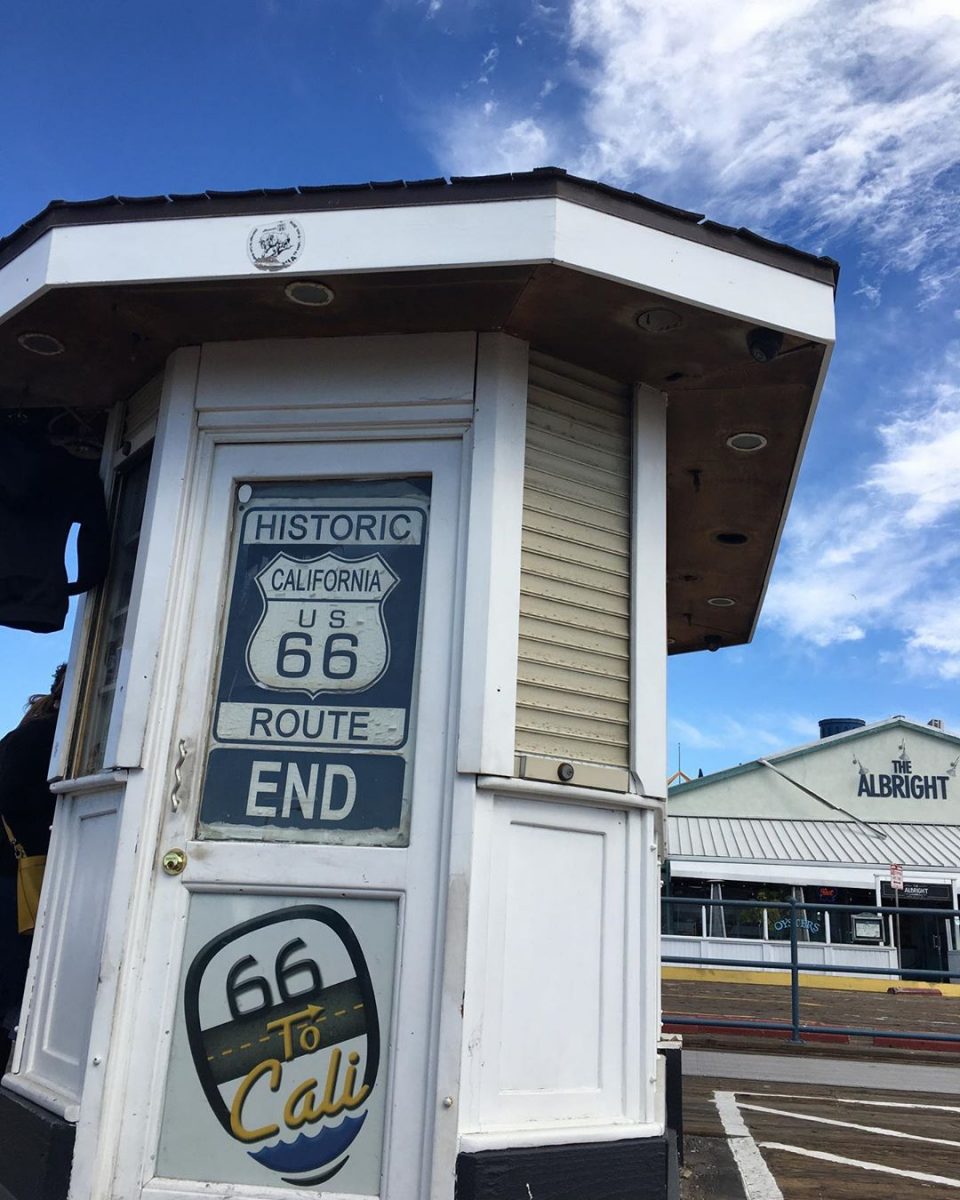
column 678, row 791
column 859, row 731
column 795, row 475
column 25, row 277
column 429, row 236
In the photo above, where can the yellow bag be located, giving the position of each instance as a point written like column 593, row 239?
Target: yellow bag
column 30, row 868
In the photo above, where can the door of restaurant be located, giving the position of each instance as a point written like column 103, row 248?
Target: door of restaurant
column 923, row 935
column 922, row 942
column 283, row 1021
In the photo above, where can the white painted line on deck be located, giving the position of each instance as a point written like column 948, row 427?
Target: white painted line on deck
column 951, row 1108
column 823, row 1156
column 894, row 1133
column 758, row 1182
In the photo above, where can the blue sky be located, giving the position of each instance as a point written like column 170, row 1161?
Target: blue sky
column 830, row 124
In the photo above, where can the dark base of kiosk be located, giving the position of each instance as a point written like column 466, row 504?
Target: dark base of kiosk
column 36, row 1151
column 634, row 1170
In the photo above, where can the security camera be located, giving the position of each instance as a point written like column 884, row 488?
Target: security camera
column 712, row 642
column 764, row 344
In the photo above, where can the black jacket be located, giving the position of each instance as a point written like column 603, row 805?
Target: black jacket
column 26, row 802
column 43, row 491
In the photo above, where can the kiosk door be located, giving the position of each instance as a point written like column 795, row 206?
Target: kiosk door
column 283, row 1026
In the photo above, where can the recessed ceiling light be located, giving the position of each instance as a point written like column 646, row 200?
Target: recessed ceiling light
column 671, row 641
column 721, row 602
column 747, row 443
column 659, row 320
column 309, row 293
column 41, row 343
column 731, row 538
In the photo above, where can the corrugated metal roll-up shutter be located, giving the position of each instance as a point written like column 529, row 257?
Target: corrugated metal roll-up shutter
column 574, row 662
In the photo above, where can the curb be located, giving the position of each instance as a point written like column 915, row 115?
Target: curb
column 842, row 983
column 783, row 1035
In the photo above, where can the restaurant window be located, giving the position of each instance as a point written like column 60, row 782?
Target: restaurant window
column 810, row 921
column 841, row 923
column 685, row 920
column 745, row 920
column 104, row 648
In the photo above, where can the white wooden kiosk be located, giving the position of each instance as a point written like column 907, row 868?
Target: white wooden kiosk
column 353, row 887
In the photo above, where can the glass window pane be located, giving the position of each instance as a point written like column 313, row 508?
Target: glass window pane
column 106, row 645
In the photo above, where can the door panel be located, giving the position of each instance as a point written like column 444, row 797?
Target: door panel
column 288, row 988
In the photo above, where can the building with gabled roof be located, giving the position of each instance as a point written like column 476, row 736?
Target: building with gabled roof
column 825, row 822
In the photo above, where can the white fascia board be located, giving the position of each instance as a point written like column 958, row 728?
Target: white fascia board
column 791, row 488
column 334, row 242
column 23, row 279
column 749, row 871
column 704, row 276
column 419, row 237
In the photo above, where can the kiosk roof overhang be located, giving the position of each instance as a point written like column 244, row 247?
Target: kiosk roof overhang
column 566, row 264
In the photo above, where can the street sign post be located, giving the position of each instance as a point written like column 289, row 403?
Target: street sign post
column 896, row 883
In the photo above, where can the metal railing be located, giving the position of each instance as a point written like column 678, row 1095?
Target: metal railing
column 795, row 1027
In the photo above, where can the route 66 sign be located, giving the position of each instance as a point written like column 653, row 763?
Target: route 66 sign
column 312, row 730
column 277, row 1062
column 322, row 627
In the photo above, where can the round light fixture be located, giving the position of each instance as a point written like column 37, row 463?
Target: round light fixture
column 671, row 641
column 309, row 293
column 659, row 320
column 41, row 343
column 721, row 602
column 764, row 344
column 731, row 538
column 747, row 443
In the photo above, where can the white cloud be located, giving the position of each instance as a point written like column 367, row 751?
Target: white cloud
column 870, row 292
column 760, row 733
column 934, row 644
column 501, row 142
column 882, row 554
column 920, row 470
column 814, row 115
column 489, row 64
column 839, row 112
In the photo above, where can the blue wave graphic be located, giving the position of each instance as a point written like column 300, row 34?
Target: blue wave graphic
column 307, row 1153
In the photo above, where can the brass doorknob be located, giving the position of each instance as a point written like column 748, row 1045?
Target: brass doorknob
column 174, row 861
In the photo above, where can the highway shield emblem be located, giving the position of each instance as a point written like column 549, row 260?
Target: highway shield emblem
column 322, row 628
column 282, row 1024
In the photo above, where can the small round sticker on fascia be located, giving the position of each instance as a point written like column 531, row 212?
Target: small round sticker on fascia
column 275, row 247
